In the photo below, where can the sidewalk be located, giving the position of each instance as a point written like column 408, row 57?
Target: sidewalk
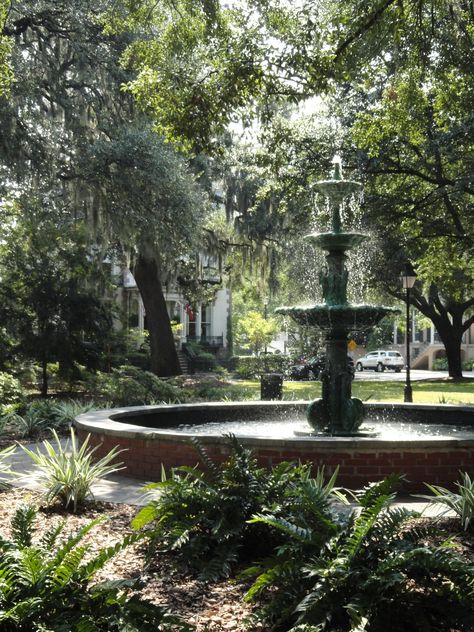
column 118, row 488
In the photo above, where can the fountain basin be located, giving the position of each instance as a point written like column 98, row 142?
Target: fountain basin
column 344, row 317
column 151, row 437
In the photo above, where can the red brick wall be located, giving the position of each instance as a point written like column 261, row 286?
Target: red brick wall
column 143, row 459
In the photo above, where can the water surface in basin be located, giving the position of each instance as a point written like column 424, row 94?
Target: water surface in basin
column 278, row 429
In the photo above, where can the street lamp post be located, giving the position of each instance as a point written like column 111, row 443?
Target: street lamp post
column 408, row 280
column 265, row 316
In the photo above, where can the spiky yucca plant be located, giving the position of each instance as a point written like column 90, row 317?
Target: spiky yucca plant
column 46, row 584
column 462, row 502
column 5, row 469
column 68, row 472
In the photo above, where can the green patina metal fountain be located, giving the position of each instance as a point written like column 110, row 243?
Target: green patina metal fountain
column 336, row 412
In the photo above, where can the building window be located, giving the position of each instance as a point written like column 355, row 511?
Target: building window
column 205, row 321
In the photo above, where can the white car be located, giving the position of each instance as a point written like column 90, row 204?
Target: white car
column 381, row 360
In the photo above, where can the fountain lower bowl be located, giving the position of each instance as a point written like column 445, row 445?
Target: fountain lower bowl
column 152, row 439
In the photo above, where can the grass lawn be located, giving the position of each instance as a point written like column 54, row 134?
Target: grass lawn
column 423, row 392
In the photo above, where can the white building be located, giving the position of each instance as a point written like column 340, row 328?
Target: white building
column 202, row 323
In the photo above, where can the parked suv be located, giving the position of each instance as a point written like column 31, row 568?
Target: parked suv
column 381, row 360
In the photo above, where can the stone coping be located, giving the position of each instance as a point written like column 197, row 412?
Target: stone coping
column 107, row 422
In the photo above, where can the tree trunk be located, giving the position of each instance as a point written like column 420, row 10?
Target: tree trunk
column 451, row 337
column 44, row 372
column 449, row 324
column 164, row 358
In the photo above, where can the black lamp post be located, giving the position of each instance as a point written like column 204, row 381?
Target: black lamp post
column 265, row 316
column 408, row 281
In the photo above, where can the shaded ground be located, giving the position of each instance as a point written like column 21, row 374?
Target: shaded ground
column 210, row 607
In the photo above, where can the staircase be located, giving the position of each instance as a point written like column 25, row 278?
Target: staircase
column 183, row 362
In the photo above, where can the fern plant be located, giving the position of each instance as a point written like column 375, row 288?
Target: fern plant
column 202, row 515
column 462, row 502
column 375, row 573
column 68, row 472
column 46, row 584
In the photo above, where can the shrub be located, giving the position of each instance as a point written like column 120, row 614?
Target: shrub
column 68, row 472
column 131, row 386
column 375, row 573
column 11, row 391
column 440, row 364
column 468, row 365
column 462, row 503
column 201, row 359
column 47, row 585
column 202, row 515
column 252, row 366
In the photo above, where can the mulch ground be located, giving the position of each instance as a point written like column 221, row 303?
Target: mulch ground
column 216, row 607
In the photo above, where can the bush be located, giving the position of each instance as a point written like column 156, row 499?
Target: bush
column 440, row 364
column 201, row 360
column 11, row 391
column 203, row 515
column 131, row 386
column 468, row 365
column 40, row 415
column 253, row 366
column 68, row 472
column 48, row 584
column 376, row 572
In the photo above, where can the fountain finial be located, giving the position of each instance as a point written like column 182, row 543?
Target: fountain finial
column 337, row 162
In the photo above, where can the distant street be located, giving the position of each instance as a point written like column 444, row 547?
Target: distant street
column 388, row 376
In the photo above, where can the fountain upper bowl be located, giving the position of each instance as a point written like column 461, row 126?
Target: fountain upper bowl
column 337, row 190
column 336, row 242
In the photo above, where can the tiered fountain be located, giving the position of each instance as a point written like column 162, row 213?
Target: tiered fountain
column 426, row 442
column 336, row 413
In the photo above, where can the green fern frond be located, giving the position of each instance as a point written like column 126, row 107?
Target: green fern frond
column 48, row 540
column 298, row 533
column 372, row 492
column 212, row 468
column 22, row 525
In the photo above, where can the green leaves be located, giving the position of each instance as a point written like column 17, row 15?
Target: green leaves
column 5, row 470
column 462, row 502
column 204, row 516
column 47, row 584
column 368, row 567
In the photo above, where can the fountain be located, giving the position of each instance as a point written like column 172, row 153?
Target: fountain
column 336, row 412
column 428, row 443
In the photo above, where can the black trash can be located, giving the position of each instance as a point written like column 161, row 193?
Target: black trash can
column 271, row 386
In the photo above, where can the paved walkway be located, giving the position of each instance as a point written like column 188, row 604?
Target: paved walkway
column 118, row 488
